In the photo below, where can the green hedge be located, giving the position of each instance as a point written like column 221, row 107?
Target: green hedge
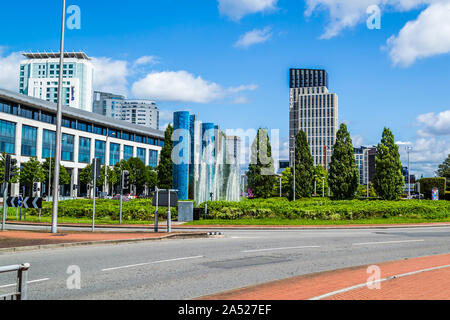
column 428, row 184
column 315, row 209
column 134, row 210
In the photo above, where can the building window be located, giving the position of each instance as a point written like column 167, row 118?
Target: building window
column 141, row 154
column 68, row 143
column 114, row 154
column 153, row 159
column 100, row 150
column 48, row 144
column 29, row 137
column 84, row 151
column 127, row 152
column 7, row 137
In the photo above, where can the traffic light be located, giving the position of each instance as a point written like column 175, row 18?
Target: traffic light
column 125, row 180
column 10, row 168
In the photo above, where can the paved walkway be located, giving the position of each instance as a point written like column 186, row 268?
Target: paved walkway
column 426, row 278
column 14, row 239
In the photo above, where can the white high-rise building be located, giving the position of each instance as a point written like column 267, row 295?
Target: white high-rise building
column 39, row 75
column 314, row 110
column 141, row 112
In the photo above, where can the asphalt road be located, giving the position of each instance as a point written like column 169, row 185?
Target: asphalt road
column 187, row 269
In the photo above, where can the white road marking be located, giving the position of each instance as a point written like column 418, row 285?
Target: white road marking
column 276, row 249
column 245, row 238
column 386, row 242
column 29, row 282
column 362, row 285
column 154, row 262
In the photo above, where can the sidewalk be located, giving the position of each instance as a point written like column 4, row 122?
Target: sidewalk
column 13, row 241
column 426, row 278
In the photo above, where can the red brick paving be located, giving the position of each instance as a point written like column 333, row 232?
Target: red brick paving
column 10, row 239
column 428, row 285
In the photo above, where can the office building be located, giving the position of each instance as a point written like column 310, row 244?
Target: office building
column 365, row 161
column 314, row 110
column 141, row 112
column 108, row 104
column 28, row 126
column 39, row 75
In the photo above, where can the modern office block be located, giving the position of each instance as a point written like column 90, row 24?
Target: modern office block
column 314, row 110
column 39, row 75
column 108, row 104
column 365, row 161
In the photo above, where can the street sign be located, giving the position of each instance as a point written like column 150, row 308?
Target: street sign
column 163, row 199
column 28, row 202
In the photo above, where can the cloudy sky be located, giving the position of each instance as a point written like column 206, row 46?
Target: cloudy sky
column 228, row 60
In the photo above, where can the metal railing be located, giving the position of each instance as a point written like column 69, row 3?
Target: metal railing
column 21, row 286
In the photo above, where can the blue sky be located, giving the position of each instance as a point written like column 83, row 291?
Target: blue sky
column 228, row 60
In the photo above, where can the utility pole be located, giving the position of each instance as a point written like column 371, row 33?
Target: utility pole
column 293, row 152
column 408, row 150
column 58, row 127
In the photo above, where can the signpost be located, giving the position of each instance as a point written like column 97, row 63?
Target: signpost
column 165, row 198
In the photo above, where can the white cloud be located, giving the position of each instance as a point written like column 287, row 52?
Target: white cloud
column 146, row 60
column 348, row 13
column 165, row 115
column 111, row 75
column 9, row 70
column 434, row 124
column 182, row 86
column 427, row 36
column 358, row 140
column 254, row 37
column 236, row 9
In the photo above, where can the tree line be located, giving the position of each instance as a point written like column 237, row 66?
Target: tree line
column 341, row 181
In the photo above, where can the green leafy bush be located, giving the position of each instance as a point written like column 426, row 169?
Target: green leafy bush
column 324, row 209
column 427, row 185
column 134, row 210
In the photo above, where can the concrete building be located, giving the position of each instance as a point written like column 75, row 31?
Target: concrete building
column 141, row 112
column 314, row 110
column 108, row 104
column 28, row 126
column 39, row 75
column 365, row 161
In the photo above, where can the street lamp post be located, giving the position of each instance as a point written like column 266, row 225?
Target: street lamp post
column 58, row 127
column 408, row 150
column 315, row 185
column 323, row 187
column 295, row 165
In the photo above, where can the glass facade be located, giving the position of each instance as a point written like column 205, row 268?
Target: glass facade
column 7, row 137
column 114, row 154
column 68, row 144
column 29, row 141
column 153, row 159
column 84, row 150
column 100, row 150
column 127, row 152
column 141, row 154
column 48, row 144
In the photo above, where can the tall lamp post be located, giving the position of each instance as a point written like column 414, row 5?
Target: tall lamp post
column 408, row 150
column 58, row 127
column 295, row 164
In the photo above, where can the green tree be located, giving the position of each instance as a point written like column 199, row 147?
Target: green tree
column 138, row 172
column 444, row 171
column 261, row 173
column 286, row 183
column 165, row 168
column 343, row 175
column 388, row 179
column 64, row 176
column 304, row 167
column 321, row 176
column 151, row 178
column 15, row 179
column 362, row 191
column 30, row 173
